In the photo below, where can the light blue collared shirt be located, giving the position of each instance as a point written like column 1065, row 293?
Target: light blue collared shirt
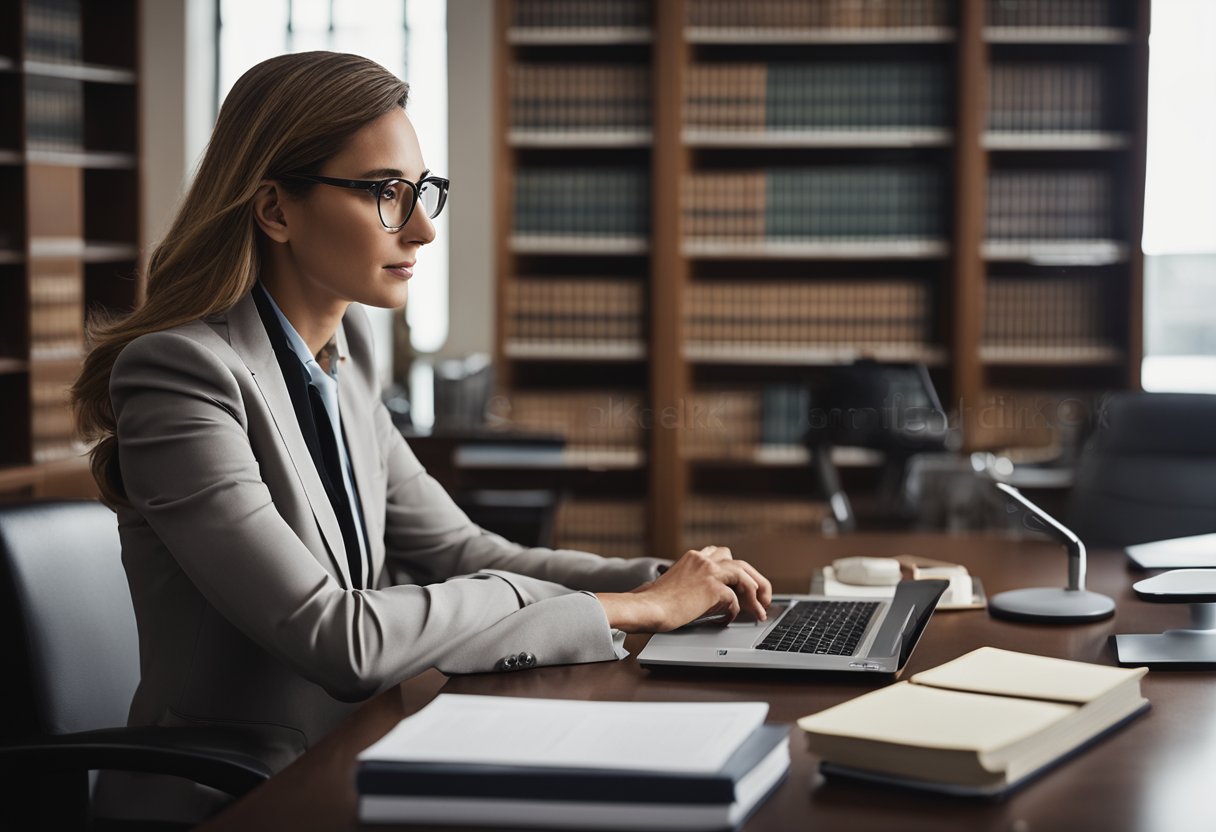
column 327, row 386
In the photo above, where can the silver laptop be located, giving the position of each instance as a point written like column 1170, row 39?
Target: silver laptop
column 808, row 632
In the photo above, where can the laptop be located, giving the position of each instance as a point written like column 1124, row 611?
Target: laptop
column 808, row 632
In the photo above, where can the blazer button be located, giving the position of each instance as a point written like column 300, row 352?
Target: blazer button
column 527, row 659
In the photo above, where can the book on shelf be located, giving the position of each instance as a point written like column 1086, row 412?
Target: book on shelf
column 578, row 98
column 591, row 202
column 815, row 203
column 715, row 519
column 591, row 421
column 586, row 311
column 1047, row 98
column 509, row 761
column 818, row 14
column 830, row 96
column 982, row 724
column 1049, row 205
column 1063, row 316
column 608, row 526
column 1051, row 13
column 581, row 14
column 54, row 114
column 52, row 31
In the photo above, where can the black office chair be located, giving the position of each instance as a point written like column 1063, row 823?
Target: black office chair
column 71, row 663
column 893, row 408
column 1148, row 471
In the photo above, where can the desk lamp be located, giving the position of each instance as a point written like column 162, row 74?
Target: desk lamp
column 1073, row 603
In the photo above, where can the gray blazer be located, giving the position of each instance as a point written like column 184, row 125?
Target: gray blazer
column 233, row 552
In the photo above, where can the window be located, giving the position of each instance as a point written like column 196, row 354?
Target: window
column 407, row 38
column 1180, row 200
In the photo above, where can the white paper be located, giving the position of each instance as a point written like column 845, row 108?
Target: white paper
column 694, row 737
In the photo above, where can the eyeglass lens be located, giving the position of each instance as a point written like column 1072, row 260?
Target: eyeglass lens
column 397, row 200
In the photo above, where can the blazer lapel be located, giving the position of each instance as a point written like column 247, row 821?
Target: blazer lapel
column 357, row 426
column 248, row 337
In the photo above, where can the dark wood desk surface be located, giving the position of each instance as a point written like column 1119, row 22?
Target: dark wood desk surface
column 1157, row 774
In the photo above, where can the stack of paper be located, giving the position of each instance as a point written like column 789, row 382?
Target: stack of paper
column 507, row 761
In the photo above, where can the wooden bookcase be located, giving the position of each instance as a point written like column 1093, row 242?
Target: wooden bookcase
column 69, row 219
column 1004, row 215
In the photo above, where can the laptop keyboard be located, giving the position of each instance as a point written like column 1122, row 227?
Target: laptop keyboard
column 827, row 628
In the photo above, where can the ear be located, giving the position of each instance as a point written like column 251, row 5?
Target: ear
column 268, row 211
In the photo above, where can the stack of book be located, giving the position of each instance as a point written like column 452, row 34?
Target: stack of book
column 54, row 113
column 582, row 202
column 1051, row 98
column 1050, row 13
column 52, row 31
column 808, row 204
column 504, row 761
column 581, row 316
column 604, row 427
column 580, row 98
column 815, row 14
column 840, row 96
column 56, row 316
column 581, row 14
column 1058, row 317
column 1049, row 205
column 982, row 724
column 53, row 429
column 612, row 527
column 716, row 520
column 860, row 315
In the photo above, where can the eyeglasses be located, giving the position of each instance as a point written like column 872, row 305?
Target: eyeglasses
column 395, row 198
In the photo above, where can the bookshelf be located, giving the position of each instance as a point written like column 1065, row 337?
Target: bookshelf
column 69, row 219
column 955, row 182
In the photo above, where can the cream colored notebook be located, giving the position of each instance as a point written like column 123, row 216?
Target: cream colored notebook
column 982, row 723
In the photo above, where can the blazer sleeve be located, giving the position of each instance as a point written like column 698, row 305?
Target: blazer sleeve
column 188, row 468
column 430, row 538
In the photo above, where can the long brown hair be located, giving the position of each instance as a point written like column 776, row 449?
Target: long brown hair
column 288, row 114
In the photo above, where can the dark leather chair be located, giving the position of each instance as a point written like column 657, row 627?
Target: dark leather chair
column 71, row 663
column 1148, row 471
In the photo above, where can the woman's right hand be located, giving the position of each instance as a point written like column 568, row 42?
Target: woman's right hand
column 702, row 582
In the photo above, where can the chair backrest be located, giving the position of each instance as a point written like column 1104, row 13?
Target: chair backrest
column 69, row 626
column 1149, row 470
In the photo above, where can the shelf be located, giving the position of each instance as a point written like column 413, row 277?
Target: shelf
column 9, row 257
column 565, row 244
column 553, row 36
column 25, row 476
column 574, row 350
column 11, row 157
column 1051, row 356
column 81, row 72
column 11, row 366
column 580, row 139
column 785, row 456
column 508, row 456
column 1057, row 35
column 95, row 252
column 1056, row 252
column 907, row 34
column 878, row 138
column 879, row 249
column 1054, row 141
column 817, row 356
column 82, row 159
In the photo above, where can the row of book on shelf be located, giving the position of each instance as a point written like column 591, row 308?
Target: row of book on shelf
column 812, row 14
column 1067, row 314
column 1024, row 97
column 52, row 31
column 581, row 310
column 52, row 429
column 54, row 113
column 813, row 203
column 56, row 316
column 819, row 14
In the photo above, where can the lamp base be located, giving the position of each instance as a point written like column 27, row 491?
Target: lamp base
column 1050, row 604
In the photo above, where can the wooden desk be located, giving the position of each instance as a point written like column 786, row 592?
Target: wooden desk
column 1159, row 773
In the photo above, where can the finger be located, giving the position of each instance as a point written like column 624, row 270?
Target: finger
column 747, row 588
column 731, row 602
column 717, row 553
column 765, row 591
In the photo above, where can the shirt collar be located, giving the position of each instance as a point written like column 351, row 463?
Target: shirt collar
column 294, row 340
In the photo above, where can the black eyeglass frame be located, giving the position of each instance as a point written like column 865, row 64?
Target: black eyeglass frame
column 376, row 188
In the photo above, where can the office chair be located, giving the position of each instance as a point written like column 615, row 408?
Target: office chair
column 892, row 408
column 71, row 659
column 1148, row 471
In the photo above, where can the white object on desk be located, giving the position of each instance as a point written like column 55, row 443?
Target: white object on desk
column 1195, row 552
column 862, row 571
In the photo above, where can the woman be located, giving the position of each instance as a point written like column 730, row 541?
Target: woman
column 287, row 554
